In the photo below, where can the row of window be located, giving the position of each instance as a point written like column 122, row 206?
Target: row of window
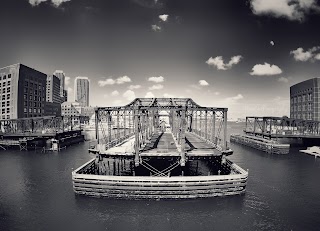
column 33, row 85
column 6, row 90
column 31, row 115
column 3, row 110
column 35, row 98
column 303, row 98
column 30, row 103
column 4, row 103
column 3, row 97
column 5, row 77
column 5, row 84
column 303, row 116
column 4, row 117
column 32, row 111
column 303, row 108
column 31, row 91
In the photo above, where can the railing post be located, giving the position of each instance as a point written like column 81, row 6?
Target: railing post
column 136, row 133
column 225, row 120
column 97, row 124
column 183, row 136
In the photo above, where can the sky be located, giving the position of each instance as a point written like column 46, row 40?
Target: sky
column 240, row 54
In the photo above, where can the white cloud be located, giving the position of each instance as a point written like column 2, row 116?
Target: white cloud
column 265, row 69
column 156, row 28
column 292, row 10
column 164, row 17
column 219, row 63
column 317, row 57
column 285, row 79
column 103, row 83
column 115, row 93
column 156, row 87
column 110, row 81
column 159, row 79
column 67, row 80
column 300, row 55
column 149, row 95
column 129, row 95
column 132, row 87
column 36, row 2
column 217, row 93
column 56, row 3
column 234, row 99
column 203, row 83
column 166, row 95
column 272, row 43
column 123, row 79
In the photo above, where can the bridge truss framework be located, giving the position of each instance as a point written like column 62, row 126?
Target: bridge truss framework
column 141, row 119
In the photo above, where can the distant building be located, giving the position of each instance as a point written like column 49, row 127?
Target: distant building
column 61, row 75
column 76, row 110
column 304, row 100
column 53, row 98
column 23, row 92
column 53, row 89
column 65, row 95
column 81, row 91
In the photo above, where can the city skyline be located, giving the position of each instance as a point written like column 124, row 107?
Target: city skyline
column 243, row 55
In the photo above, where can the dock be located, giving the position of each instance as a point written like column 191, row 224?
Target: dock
column 175, row 149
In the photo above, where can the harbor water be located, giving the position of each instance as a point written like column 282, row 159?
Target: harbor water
column 283, row 193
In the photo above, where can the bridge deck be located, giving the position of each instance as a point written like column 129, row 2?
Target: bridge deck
column 164, row 145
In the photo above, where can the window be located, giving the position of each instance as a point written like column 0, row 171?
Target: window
column 8, row 116
column 39, row 110
column 299, row 99
column 3, row 90
column 3, row 104
column 8, row 96
column 4, row 77
column 8, row 110
column 9, row 83
column 30, row 110
column 30, row 97
column 25, row 103
column 25, row 96
column 8, row 103
column 299, row 107
column 26, row 84
column 30, row 103
column 35, row 98
column 9, row 76
column 3, row 111
column 8, row 90
column 303, row 98
column 3, row 97
column 35, row 104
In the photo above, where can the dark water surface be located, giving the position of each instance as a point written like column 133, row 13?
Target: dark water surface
column 283, row 193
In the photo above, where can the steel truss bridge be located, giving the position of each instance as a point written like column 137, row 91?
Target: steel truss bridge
column 46, row 126
column 282, row 127
column 161, row 128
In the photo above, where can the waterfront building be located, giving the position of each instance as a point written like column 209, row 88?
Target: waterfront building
column 53, row 98
column 65, row 95
column 76, row 110
column 81, row 91
column 61, row 75
column 23, row 92
column 304, row 100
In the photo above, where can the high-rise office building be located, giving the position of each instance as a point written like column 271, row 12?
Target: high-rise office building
column 65, row 95
column 53, row 98
column 81, row 91
column 61, row 75
column 305, row 99
column 23, row 92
